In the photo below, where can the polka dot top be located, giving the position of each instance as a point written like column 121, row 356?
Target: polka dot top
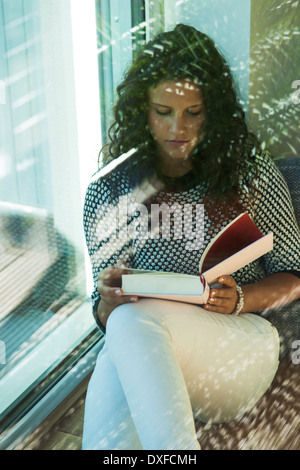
column 153, row 227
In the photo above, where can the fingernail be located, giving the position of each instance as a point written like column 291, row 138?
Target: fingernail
column 133, row 299
column 118, row 292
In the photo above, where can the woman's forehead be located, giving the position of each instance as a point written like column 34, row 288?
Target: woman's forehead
column 176, row 88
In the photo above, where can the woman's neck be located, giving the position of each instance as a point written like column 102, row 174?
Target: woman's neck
column 174, row 168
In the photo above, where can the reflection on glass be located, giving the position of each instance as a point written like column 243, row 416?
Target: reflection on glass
column 42, row 274
column 274, row 68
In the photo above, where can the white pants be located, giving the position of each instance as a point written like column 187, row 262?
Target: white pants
column 166, row 362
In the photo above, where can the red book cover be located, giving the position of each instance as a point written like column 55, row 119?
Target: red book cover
column 241, row 233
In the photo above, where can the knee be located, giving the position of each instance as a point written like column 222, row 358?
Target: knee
column 133, row 318
column 121, row 318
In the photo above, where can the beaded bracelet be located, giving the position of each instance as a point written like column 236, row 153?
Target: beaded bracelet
column 240, row 303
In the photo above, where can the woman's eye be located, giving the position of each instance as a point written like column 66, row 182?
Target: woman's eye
column 162, row 113
column 195, row 113
column 168, row 112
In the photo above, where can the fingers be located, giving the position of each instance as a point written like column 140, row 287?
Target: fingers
column 224, row 292
column 111, row 276
column 227, row 281
column 121, row 264
column 109, row 285
column 220, row 305
column 114, row 296
column 223, row 299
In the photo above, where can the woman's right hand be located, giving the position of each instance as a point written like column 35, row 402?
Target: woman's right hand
column 109, row 287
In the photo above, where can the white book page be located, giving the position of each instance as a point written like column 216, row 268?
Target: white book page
column 163, row 283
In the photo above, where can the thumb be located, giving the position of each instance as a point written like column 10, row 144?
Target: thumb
column 227, row 281
column 121, row 264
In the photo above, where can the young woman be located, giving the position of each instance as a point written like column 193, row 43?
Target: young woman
column 182, row 130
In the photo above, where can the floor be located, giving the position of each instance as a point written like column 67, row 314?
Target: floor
column 67, row 433
column 273, row 424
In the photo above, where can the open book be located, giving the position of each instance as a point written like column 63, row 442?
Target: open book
column 236, row 245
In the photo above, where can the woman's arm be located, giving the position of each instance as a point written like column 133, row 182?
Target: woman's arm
column 106, row 241
column 109, row 287
column 271, row 292
column 273, row 213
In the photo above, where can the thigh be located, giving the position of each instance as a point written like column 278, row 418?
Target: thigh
column 228, row 361
column 234, row 362
column 107, row 421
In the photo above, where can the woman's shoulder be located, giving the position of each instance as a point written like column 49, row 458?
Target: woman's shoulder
column 109, row 182
column 270, row 187
column 264, row 160
column 268, row 172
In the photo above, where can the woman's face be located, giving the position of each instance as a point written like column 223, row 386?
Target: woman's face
column 176, row 116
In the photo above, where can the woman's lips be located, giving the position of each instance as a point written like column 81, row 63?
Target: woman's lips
column 177, row 143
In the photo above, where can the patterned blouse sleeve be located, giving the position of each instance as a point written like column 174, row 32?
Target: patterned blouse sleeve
column 274, row 212
column 106, row 241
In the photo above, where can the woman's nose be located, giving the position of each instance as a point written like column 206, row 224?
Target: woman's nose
column 178, row 124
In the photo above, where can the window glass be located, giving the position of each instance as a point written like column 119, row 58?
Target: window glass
column 121, row 31
column 47, row 155
column 275, row 75
column 225, row 21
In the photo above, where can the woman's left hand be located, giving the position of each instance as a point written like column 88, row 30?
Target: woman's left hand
column 223, row 299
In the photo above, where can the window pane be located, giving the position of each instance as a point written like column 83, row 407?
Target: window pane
column 45, row 308
column 275, row 75
column 121, row 31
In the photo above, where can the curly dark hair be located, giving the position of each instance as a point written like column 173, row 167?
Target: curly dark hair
column 185, row 53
